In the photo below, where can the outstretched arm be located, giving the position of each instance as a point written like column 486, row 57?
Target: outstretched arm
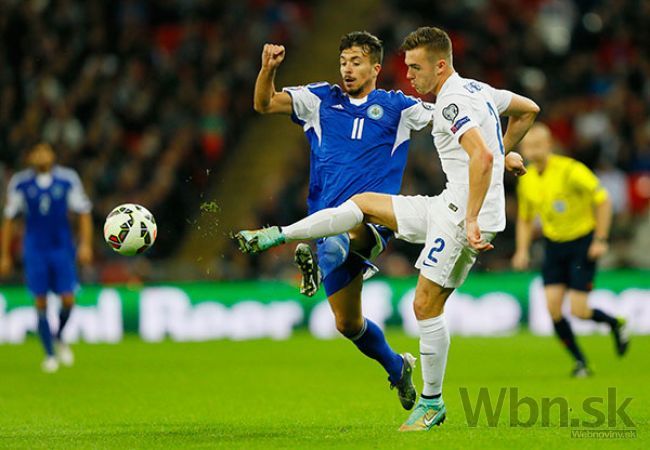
column 480, row 176
column 522, row 112
column 265, row 99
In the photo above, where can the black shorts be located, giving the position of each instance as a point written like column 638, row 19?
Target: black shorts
column 567, row 263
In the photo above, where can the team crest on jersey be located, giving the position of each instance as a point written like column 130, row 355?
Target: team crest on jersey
column 450, row 112
column 559, row 206
column 375, row 112
column 57, row 192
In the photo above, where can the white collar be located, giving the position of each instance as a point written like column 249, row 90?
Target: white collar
column 44, row 180
column 358, row 101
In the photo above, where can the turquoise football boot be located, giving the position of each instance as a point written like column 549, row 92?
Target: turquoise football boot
column 425, row 415
column 257, row 241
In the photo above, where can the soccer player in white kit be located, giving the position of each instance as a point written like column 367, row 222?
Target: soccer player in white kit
column 455, row 225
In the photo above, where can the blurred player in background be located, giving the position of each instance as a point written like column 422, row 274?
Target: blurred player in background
column 45, row 194
column 359, row 139
column 575, row 213
column 455, row 225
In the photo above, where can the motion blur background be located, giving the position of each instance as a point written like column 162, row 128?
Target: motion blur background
column 151, row 101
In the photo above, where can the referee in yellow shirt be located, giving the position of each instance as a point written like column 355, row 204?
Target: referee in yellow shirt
column 575, row 212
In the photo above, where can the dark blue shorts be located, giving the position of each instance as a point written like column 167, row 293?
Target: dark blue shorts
column 53, row 270
column 354, row 264
column 567, row 263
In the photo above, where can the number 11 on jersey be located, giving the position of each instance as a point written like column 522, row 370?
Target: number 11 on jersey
column 357, row 128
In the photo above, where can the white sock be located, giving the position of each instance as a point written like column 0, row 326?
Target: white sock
column 434, row 345
column 326, row 222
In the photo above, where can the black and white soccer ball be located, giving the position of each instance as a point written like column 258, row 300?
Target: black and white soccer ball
column 130, row 229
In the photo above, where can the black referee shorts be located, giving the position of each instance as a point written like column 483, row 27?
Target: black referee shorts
column 567, row 263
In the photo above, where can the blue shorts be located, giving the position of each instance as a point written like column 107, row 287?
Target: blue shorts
column 567, row 263
column 354, row 264
column 53, row 270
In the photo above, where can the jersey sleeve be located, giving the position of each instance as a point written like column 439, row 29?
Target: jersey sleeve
column 15, row 200
column 417, row 114
column 306, row 100
column 459, row 115
column 78, row 201
column 501, row 97
column 583, row 179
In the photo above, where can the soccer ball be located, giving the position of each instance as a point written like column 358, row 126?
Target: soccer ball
column 130, row 229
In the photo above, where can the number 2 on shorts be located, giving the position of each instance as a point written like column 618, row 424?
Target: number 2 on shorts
column 437, row 248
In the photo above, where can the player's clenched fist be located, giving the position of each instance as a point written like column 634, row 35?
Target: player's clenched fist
column 515, row 164
column 272, row 56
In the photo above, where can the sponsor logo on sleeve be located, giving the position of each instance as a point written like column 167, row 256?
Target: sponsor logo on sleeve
column 459, row 123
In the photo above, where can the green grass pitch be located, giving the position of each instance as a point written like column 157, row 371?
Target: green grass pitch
column 300, row 393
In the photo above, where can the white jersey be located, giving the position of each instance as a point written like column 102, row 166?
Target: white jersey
column 463, row 104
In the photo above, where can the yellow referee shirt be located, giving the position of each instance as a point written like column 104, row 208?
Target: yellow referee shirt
column 564, row 196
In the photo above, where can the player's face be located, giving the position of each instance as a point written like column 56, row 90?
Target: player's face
column 42, row 158
column 358, row 73
column 536, row 145
column 423, row 71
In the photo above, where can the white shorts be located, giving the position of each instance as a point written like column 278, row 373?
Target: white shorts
column 447, row 257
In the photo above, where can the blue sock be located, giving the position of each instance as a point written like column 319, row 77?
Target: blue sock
column 372, row 343
column 64, row 315
column 45, row 333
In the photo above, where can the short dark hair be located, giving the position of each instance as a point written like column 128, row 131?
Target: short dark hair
column 369, row 44
column 434, row 39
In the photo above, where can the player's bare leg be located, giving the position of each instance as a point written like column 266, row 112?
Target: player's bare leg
column 554, row 298
column 428, row 306
column 50, row 364
column 376, row 208
column 580, row 308
column 370, row 340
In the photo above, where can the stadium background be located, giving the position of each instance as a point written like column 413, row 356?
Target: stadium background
column 151, row 101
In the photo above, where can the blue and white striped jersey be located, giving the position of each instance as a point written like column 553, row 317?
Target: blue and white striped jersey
column 357, row 145
column 45, row 200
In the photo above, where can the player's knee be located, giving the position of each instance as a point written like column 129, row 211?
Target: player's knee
column 67, row 301
column 427, row 307
column 349, row 327
column 580, row 311
column 555, row 311
column 41, row 303
column 363, row 201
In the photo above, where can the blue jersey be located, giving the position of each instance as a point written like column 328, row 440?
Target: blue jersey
column 357, row 145
column 45, row 200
